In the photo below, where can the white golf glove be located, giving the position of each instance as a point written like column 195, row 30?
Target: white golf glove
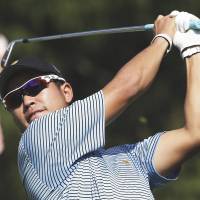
column 185, row 39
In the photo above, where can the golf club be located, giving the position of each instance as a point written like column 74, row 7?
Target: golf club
column 9, row 49
column 193, row 25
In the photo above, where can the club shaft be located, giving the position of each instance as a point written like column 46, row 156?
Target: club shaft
column 7, row 54
column 90, row 33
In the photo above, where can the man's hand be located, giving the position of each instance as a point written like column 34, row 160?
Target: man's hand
column 185, row 39
column 183, row 20
column 1, row 140
column 165, row 28
column 165, row 25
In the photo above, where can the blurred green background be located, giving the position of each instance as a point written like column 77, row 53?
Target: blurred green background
column 90, row 62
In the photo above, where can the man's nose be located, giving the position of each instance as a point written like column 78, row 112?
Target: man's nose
column 28, row 101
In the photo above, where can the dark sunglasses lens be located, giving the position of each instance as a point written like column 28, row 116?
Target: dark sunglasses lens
column 34, row 87
column 13, row 100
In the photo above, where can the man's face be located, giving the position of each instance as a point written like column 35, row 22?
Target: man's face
column 49, row 99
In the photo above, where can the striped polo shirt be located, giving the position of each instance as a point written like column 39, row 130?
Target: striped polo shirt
column 62, row 156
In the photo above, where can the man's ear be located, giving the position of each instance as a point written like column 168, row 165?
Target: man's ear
column 67, row 92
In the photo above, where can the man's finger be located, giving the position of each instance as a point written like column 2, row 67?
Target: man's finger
column 174, row 13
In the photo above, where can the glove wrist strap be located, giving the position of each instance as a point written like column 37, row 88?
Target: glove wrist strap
column 167, row 38
column 190, row 51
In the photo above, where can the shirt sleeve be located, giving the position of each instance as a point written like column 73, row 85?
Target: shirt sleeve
column 86, row 125
column 143, row 153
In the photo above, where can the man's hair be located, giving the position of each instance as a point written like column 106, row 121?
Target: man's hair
column 58, row 83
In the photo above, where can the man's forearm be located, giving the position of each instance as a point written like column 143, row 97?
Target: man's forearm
column 192, row 102
column 134, row 77
column 138, row 73
column 147, row 63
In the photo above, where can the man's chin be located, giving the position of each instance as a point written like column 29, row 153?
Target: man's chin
column 23, row 124
column 37, row 115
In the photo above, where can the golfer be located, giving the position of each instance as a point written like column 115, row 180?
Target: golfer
column 61, row 152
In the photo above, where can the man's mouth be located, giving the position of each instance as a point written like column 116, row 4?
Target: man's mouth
column 35, row 115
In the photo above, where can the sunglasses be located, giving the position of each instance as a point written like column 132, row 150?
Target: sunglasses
column 32, row 87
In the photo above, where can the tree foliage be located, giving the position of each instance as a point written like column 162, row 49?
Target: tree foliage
column 90, row 62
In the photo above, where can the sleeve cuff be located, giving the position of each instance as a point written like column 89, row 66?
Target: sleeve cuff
column 156, row 179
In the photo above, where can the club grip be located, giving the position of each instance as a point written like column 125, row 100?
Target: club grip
column 149, row 27
column 194, row 24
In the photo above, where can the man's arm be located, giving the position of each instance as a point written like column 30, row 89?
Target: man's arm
column 174, row 147
column 137, row 75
